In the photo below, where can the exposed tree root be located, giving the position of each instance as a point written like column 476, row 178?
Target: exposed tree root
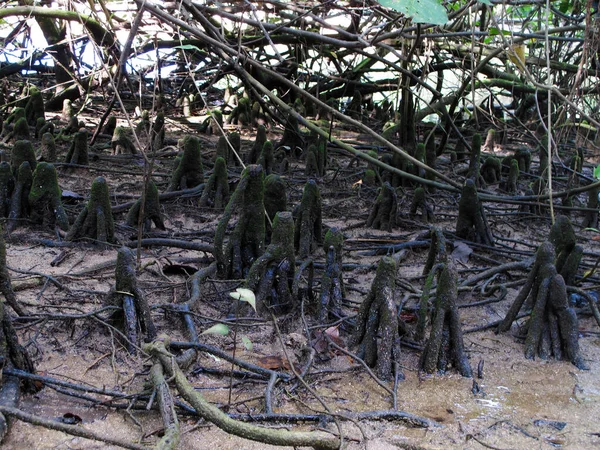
column 317, row 440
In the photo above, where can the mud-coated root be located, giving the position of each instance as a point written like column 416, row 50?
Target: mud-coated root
column 189, row 171
column 437, row 250
column 259, row 142
column 45, row 198
column 19, row 201
column 5, row 283
column 216, row 190
column 332, row 283
column 78, row 151
column 445, row 345
column 474, row 172
column 491, row 170
column 552, row 329
column 121, row 142
column 151, row 210
column 376, row 333
column 22, row 151
column 7, row 186
column 568, row 253
column 472, row 223
column 419, row 204
column 134, row 314
column 292, row 137
column 272, row 274
column 95, row 220
column 591, row 216
column 308, row 216
column 247, row 241
column 385, row 210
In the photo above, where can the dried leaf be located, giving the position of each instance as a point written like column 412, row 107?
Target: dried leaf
column 219, row 328
column 461, row 252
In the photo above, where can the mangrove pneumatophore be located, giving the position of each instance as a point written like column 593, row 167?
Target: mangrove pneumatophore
column 376, row 333
column 95, row 221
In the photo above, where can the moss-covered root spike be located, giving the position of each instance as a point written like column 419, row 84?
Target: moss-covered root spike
column 110, row 125
column 591, row 215
column 121, row 143
column 437, row 250
column 275, row 195
column 45, row 198
column 151, row 210
column 292, row 136
column 22, row 151
column 332, row 282
column 34, row 109
column 21, row 130
column 475, row 160
column 48, row 148
column 271, row 276
column 376, row 333
column 5, row 282
column 445, row 344
column 189, row 172
column 19, row 202
column 383, row 216
column 248, row 238
column 266, row 158
column 95, row 220
column 157, row 132
column 419, row 204
column 568, row 253
column 216, row 190
column 491, row 170
column 78, row 151
column 259, row 142
column 308, row 216
column 135, row 312
column 7, row 186
column 472, row 223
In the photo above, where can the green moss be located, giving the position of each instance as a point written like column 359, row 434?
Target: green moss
column 45, row 197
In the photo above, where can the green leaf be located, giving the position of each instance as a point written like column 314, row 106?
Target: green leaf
column 421, row 11
column 245, row 295
column 188, row 47
column 219, row 328
column 597, row 172
column 247, row 343
column 485, row 2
